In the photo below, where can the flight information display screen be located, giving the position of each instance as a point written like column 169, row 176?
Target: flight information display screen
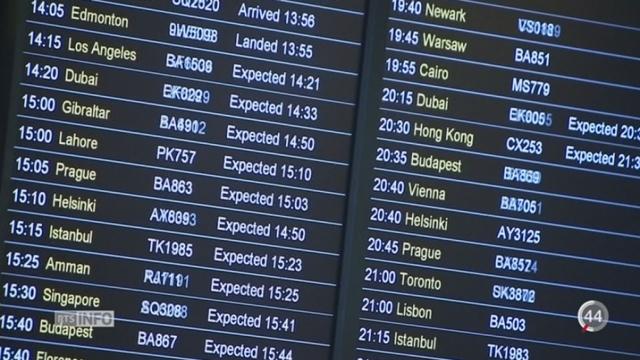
column 285, row 180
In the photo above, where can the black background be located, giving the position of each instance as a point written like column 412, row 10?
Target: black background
column 7, row 38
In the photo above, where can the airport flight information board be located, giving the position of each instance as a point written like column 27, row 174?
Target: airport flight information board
column 280, row 180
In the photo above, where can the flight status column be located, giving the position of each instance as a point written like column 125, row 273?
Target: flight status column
column 502, row 210
column 183, row 164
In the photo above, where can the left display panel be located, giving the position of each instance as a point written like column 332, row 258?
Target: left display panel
column 180, row 167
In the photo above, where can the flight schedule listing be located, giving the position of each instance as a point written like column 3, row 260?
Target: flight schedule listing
column 502, row 194
column 318, row 179
column 183, row 164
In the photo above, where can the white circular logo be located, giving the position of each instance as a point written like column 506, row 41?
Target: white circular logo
column 593, row 316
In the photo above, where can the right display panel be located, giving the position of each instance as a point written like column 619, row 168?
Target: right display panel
column 498, row 201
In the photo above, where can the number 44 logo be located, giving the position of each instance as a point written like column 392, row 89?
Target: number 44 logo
column 593, row 316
